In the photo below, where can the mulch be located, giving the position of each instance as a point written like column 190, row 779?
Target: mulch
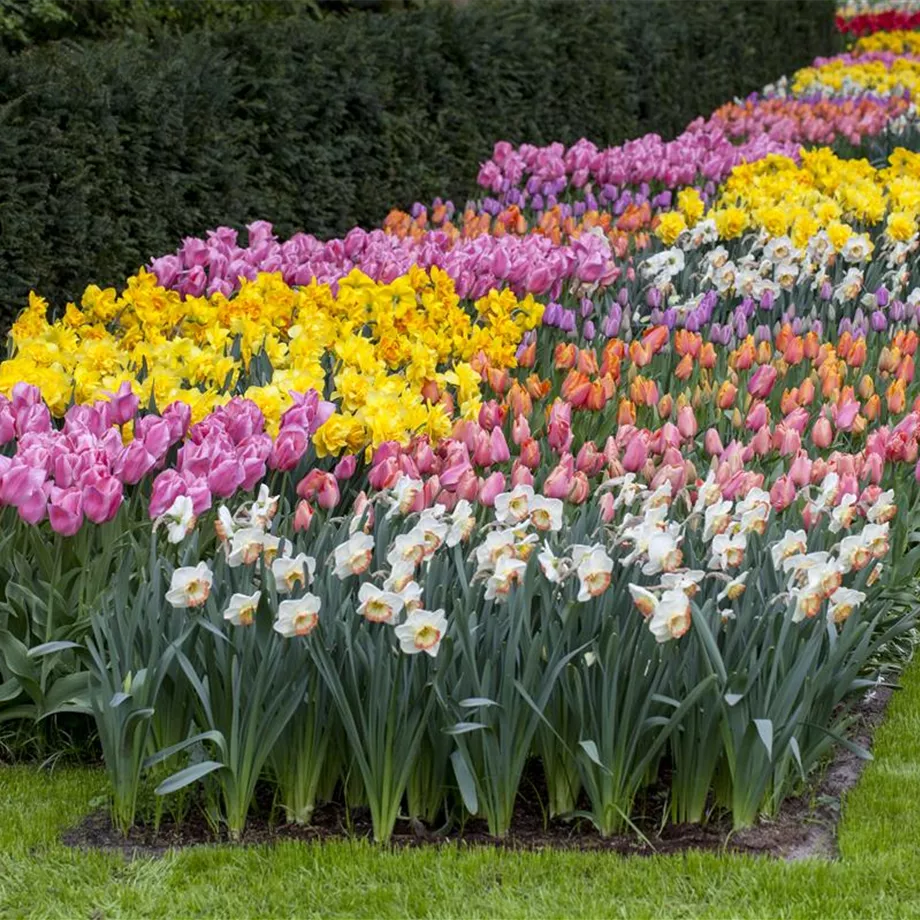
column 804, row 827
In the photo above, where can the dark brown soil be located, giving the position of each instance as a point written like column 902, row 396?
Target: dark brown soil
column 805, row 826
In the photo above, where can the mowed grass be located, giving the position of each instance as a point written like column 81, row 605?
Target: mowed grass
column 876, row 876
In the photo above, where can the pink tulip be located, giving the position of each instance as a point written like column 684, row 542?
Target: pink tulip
column 845, row 415
column 589, row 460
column 225, row 477
column 155, row 433
column 636, row 454
column 346, row 467
column 491, row 414
column 559, row 428
column 790, row 441
column 122, row 405
column 821, row 433
column 499, row 446
column 757, row 417
column 800, row 470
column 383, row 475
column 303, row 516
column 608, row 511
column 456, row 466
column 580, row 490
column 65, row 511
column 482, row 454
column 520, row 475
column 762, row 380
column 686, row 422
column 133, row 463
column 425, row 459
column 494, row 485
column 167, row 487
column 468, row 486
column 520, row 429
column 102, row 500
column 289, row 448
column 874, row 467
column 783, row 493
column 559, row 482
column 712, row 443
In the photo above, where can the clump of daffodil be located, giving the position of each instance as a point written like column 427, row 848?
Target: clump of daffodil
column 397, row 358
column 778, row 196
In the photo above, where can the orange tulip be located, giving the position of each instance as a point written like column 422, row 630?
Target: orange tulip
column 626, row 413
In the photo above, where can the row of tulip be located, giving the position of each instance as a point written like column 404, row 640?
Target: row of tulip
column 382, row 519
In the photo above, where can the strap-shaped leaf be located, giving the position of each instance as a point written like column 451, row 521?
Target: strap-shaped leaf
column 187, row 776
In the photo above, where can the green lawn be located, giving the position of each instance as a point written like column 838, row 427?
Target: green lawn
column 877, row 875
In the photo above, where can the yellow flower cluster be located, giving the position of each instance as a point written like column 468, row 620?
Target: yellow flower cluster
column 839, row 76
column 824, row 192
column 396, row 358
column 898, row 41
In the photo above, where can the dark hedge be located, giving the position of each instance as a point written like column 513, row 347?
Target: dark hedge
column 111, row 151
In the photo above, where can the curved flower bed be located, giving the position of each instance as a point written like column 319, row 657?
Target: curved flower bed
column 620, row 475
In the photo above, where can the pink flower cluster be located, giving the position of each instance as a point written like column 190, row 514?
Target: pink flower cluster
column 230, row 450
column 705, row 152
column 530, row 264
column 80, row 470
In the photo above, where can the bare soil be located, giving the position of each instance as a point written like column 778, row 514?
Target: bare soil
column 805, row 827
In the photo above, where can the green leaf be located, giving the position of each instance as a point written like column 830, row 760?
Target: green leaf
column 590, row 748
column 765, row 730
column 46, row 648
column 187, row 776
column 463, row 728
column 466, row 782
column 476, row 702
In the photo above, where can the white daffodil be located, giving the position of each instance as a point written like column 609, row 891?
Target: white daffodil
column 434, row 531
column 645, row 601
column 401, row 574
column 875, row 536
column 294, row 571
column 507, row 572
column 553, row 567
column 298, row 618
column 546, row 513
column 263, row 508
column 497, row 543
column 411, row 596
column 422, row 631
column 808, row 602
column 246, row 546
column 664, row 554
column 792, row 543
column 225, row 527
column 179, row 519
column 594, row 571
column 735, row 588
column 379, row 606
column 354, row 555
column 403, row 495
column 843, row 515
column 408, row 547
column 462, row 522
column 842, row 603
column 716, row 519
column 687, row 581
column 241, row 610
column 514, row 506
column 671, row 617
column 190, row 586
column 728, row 550
column 883, row 509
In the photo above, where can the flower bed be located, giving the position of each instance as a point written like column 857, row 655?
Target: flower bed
column 383, row 519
